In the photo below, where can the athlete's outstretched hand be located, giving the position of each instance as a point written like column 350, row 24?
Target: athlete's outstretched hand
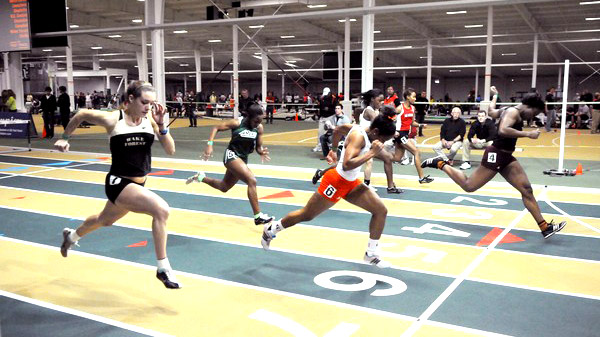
column 62, row 145
column 534, row 134
column 207, row 153
column 331, row 157
column 264, row 155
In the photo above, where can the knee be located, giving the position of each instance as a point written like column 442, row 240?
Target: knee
column 527, row 191
column 251, row 182
column 162, row 213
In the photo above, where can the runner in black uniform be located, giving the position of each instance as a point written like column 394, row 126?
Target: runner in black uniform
column 498, row 158
column 132, row 133
column 246, row 135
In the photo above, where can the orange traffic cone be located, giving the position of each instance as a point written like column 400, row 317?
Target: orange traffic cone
column 296, row 118
column 578, row 133
column 44, row 131
column 579, row 170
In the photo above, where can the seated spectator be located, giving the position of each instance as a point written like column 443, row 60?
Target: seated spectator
column 481, row 135
column 330, row 123
column 451, row 136
column 581, row 116
column 596, row 113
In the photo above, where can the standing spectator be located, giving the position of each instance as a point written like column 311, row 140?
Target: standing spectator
column 245, row 101
column 190, row 109
column 270, row 106
column 451, row 136
column 48, row 107
column 11, row 101
column 484, row 129
column 212, row 99
column 64, row 106
column 596, row 113
column 421, row 108
column 391, row 98
column 3, row 107
column 326, row 109
column 88, row 100
column 550, row 109
column 81, row 100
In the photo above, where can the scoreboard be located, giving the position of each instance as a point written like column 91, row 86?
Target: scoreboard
column 14, row 26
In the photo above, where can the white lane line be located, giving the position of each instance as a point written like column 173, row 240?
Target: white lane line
column 424, row 317
column 82, row 314
column 225, row 282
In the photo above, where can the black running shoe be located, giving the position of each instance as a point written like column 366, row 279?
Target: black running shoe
column 394, row 190
column 553, row 228
column 425, row 180
column 263, row 219
column 432, row 162
column 167, row 278
column 317, row 176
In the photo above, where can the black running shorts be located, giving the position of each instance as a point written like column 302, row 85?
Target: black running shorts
column 495, row 159
column 114, row 185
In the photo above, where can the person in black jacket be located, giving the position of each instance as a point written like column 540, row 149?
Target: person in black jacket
column 48, row 107
column 481, row 135
column 64, row 106
column 451, row 136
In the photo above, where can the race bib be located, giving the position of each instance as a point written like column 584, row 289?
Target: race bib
column 491, row 157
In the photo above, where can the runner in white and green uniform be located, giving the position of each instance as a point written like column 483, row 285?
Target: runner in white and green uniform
column 246, row 135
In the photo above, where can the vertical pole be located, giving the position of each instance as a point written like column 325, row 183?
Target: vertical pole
column 347, row 103
column 429, row 65
column 476, row 85
column 143, row 61
column 535, row 61
column 403, row 81
column 198, row 64
column 236, row 78
column 367, row 47
column 70, row 82
column 488, row 55
column 340, row 69
column 563, row 118
column 265, row 66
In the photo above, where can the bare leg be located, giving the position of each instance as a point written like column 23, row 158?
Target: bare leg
column 109, row 215
column 316, row 205
column 240, row 170
column 368, row 169
column 224, row 185
column 412, row 148
column 470, row 184
column 141, row 200
column 366, row 199
column 516, row 176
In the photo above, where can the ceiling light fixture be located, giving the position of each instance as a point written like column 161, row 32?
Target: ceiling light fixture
column 114, row 36
column 137, row 20
column 589, row 2
column 344, row 20
column 390, row 72
column 184, row 65
column 436, row 81
column 591, row 19
column 376, row 31
column 96, row 48
column 473, row 26
column 287, row 36
column 73, row 26
column 51, row 50
column 214, row 41
column 255, row 27
column 455, row 70
column 509, row 54
column 526, row 69
column 182, row 31
column 456, row 12
column 316, row 6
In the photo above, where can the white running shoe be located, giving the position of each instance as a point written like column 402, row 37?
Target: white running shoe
column 267, row 236
column 195, row 178
column 465, row 166
column 374, row 260
column 405, row 161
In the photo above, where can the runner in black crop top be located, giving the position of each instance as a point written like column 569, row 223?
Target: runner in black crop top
column 498, row 157
column 132, row 132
